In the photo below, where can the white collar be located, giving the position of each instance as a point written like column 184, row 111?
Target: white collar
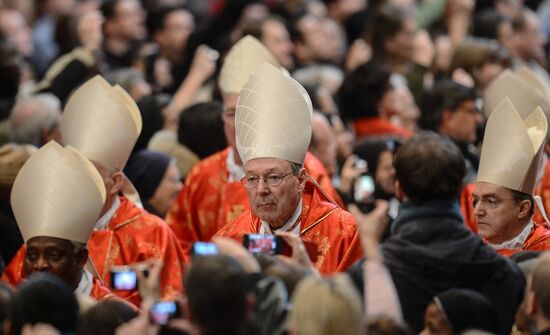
column 236, row 171
column 86, row 283
column 518, row 241
column 103, row 222
column 289, row 226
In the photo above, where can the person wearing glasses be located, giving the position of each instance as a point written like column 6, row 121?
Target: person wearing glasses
column 273, row 132
column 213, row 195
column 503, row 196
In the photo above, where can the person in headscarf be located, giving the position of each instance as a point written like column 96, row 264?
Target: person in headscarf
column 156, row 178
column 458, row 310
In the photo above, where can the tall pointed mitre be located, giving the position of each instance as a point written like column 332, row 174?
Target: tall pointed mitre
column 243, row 58
column 273, row 117
column 102, row 122
column 58, row 193
column 523, row 89
column 513, row 148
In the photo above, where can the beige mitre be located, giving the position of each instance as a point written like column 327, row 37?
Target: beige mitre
column 243, row 58
column 102, row 122
column 523, row 89
column 513, row 148
column 58, row 193
column 273, row 117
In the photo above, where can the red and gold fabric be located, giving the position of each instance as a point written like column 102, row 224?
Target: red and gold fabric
column 208, row 201
column 375, row 126
column 323, row 223
column 133, row 236
column 538, row 240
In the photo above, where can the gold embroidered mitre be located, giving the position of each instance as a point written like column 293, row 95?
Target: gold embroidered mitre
column 273, row 117
column 58, row 193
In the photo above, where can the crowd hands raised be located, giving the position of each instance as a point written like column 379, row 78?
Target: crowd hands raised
column 395, row 150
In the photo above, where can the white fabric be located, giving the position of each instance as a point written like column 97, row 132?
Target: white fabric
column 236, row 171
column 518, row 241
column 85, row 285
column 103, row 222
column 265, row 228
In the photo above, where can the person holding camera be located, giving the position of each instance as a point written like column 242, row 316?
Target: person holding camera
column 273, row 131
column 430, row 249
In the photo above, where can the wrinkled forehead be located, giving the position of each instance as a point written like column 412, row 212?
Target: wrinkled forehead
column 260, row 166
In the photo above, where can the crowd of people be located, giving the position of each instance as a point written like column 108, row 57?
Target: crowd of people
column 274, row 167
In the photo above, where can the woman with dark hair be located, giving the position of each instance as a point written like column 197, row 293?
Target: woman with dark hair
column 156, row 178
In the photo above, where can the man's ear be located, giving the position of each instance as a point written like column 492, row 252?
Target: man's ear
column 118, row 182
column 524, row 209
column 302, row 177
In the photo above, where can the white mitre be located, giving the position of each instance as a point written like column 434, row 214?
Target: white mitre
column 273, row 117
column 58, row 193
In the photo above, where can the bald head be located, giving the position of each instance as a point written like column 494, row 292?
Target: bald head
column 35, row 120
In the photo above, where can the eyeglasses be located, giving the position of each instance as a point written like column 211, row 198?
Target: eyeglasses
column 273, row 180
column 488, row 203
column 228, row 117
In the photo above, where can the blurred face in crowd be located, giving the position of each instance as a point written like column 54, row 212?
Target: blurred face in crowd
column 461, row 124
column 228, row 117
column 385, row 173
column 277, row 40
column 324, row 146
column 14, row 26
column 486, row 73
column 277, row 202
column 312, row 45
column 168, row 189
column 499, row 217
column 401, row 45
column 128, row 22
column 178, row 25
column 529, row 41
column 56, row 256
column 435, row 322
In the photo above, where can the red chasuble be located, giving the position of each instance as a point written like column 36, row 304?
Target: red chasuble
column 208, row 201
column 323, row 223
column 133, row 236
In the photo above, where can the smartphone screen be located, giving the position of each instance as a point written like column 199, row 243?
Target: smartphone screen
column 256, row 243
column 162, row 312
column 205, row 248
column 363, row 188
column 123, row 279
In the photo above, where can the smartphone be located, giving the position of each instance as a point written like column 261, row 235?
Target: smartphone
column 205, row 248
column 123, row 278
column 164, row 311
column 256, row 243
column 363, row 188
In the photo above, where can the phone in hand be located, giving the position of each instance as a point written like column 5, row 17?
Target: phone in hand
column 204, row 248
column 123, row 278
column 363, row 188
column 163, row 311
column 259, row 243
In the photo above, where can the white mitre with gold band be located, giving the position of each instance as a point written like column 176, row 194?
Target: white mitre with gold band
column 243, row 58
column 513, row 148
column 102, row 122
column 58, row 193
column 273, row 117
